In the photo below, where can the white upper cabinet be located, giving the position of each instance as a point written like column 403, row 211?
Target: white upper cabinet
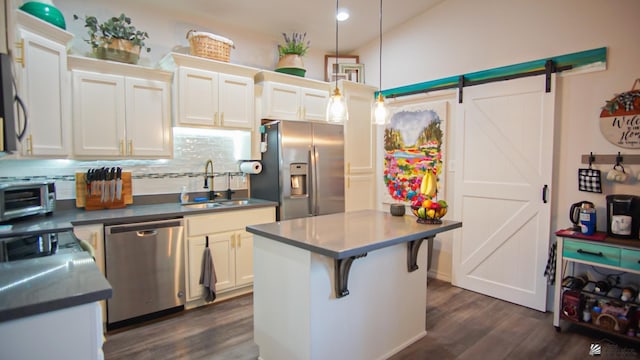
column 42, row 79
column 120, row 110
column 211, row 93
column 288, row 97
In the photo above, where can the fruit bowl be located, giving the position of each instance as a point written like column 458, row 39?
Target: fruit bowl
column 429, row 215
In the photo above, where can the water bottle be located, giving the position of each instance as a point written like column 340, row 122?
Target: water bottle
column 587, row 219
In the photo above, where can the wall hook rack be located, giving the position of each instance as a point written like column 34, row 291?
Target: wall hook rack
column 618, row 158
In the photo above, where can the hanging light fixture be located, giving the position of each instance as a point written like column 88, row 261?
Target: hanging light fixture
column 379, row 112
column 337, row 106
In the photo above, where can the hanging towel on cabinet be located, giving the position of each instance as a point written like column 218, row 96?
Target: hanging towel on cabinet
column 208, row 274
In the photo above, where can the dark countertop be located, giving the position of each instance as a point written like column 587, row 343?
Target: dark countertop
column 348, row 234
column 35, row 286
column 65, row 220
column 70, row 277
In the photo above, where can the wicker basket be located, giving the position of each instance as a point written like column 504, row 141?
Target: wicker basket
column 209, row 45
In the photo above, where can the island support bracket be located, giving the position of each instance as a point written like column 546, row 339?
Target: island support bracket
column 412, row 253
column 342, row 267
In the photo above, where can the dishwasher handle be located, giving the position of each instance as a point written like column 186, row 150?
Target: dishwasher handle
column 145, row 233
column 142, row 227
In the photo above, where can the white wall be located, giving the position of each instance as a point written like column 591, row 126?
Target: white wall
column 462, row 36
column 167, row 32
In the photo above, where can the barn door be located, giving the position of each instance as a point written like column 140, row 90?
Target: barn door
column 504, row 147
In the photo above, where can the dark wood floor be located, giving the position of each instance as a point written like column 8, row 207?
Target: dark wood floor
column 460, row 325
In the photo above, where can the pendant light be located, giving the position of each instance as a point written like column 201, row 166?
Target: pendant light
column 337, row 106
column 379, row 112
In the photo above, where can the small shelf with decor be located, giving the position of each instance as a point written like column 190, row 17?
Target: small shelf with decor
column 596, row 304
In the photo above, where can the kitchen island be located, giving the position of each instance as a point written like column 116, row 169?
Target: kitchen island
column 341, row 286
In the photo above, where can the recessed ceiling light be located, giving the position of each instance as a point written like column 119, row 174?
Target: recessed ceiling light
column 343, row 14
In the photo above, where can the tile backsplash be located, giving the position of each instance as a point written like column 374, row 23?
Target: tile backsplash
column 192, row 149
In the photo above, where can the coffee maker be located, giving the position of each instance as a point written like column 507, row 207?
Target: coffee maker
column 623, row 216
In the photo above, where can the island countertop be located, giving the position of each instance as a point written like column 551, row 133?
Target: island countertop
column 348, row 234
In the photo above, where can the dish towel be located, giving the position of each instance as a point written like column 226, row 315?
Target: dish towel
column 550, row 270
column 208, row 275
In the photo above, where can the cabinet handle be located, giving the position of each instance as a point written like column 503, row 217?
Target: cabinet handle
column 239, row 240
column 122, row 147
column 30, row 145
column 233, row 241
column 94, row 239
column 222, row 119
column 599, row 253
column 349, row 175
column 130, row 147
column 20, row 45
column 215, row 118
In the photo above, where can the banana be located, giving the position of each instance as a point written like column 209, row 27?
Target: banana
column 429, row 185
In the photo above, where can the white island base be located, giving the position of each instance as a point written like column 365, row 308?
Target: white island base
column 297, row 315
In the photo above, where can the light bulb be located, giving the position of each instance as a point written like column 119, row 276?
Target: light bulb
column 380, row 111
column 337, row 108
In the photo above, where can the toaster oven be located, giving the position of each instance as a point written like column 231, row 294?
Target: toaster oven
column 24, row 199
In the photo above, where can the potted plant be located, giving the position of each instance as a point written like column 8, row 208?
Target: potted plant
column 115, row 39
column 291, row 54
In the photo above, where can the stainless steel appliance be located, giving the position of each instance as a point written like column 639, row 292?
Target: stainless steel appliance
column 145, row 267
column 623, row 216
column 38, row 245
column 574, row 213
column 8, row 139
column 25, row 199
column 303, row 169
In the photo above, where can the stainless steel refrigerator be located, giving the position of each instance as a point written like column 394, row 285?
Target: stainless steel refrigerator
column 302, row 169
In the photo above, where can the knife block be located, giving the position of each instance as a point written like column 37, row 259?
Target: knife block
column 93, row 201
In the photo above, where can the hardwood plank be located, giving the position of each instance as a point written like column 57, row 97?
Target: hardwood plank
column 460, row 325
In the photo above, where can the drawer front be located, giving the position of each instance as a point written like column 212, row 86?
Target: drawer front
column 602, row 254
column 630, row 259
column 228, row 221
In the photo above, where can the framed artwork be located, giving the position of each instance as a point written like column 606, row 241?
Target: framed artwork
column 330, row 64
column 338, row 76
column 353, row 72
column 413, row 144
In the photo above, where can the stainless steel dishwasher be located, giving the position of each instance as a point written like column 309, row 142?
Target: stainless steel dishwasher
column 144, row 263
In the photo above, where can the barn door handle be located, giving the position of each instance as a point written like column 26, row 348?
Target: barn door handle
column 545, row 188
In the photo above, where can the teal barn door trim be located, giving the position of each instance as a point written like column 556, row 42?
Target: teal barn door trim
column 573, row 61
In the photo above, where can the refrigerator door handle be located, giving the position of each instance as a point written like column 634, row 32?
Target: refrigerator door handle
column 313, row 154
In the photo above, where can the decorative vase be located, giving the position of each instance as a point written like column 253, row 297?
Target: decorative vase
column 120, row 50
column 291, row 64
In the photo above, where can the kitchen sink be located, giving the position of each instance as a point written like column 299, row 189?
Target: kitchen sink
column 203, row 205
column 216, row 204
column 235, row 202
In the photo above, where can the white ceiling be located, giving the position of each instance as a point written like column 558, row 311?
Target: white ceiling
column 315, row 17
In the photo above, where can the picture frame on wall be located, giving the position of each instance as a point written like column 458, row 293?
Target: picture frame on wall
column 353, row 72
column 330, row 68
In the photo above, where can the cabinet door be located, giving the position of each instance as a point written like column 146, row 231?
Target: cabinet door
column 244, row 258
column 221, row 246
column 360, row 192
column 197, row 97
column 43, row 85
column 94, row 235
column 281, row 101
column 98, row 114
column 360, row 133
column 314, row 104
column 148, row 121
column 236, row 97
column 195, row 250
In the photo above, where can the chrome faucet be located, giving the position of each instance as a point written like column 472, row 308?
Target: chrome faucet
column 207, row 177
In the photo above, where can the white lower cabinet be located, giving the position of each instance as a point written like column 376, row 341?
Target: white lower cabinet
column 94, row 235
column 230, row 245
